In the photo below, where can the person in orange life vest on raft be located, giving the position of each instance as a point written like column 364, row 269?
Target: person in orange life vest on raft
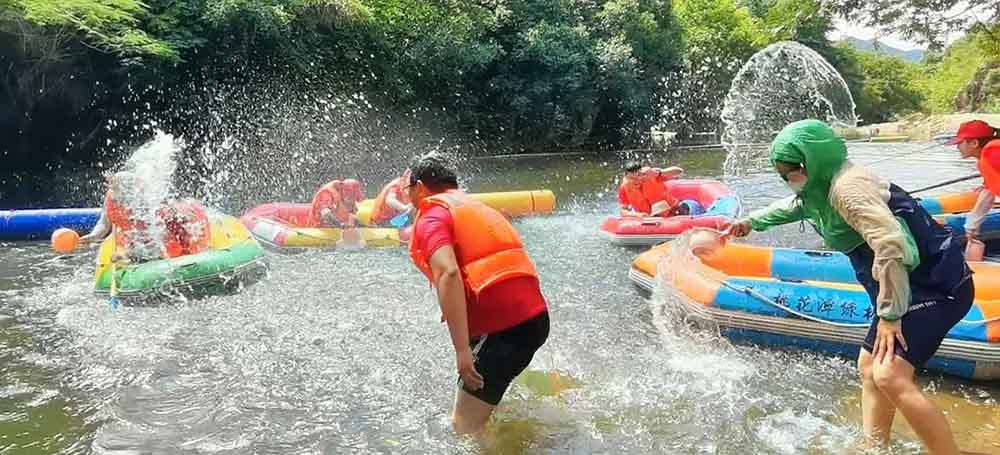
column 392, row 201
column 977, row 139
column 487, row 288
column 643, row 192
column 186, row 227
column 335, row 204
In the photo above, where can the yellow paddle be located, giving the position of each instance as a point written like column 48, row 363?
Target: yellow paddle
column 113, row 293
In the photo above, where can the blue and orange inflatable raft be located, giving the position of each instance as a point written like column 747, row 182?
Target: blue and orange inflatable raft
column 950, row 209
column 811, row 299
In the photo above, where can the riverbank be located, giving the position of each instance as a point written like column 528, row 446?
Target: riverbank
column 916, row 127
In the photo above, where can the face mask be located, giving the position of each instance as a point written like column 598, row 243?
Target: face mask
column 796, row 181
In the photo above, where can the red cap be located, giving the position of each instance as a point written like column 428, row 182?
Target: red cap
column 974, row 129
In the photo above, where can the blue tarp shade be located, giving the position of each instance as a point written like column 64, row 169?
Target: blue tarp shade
column 39, row 224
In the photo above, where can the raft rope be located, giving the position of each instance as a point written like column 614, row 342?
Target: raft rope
column 759, row 296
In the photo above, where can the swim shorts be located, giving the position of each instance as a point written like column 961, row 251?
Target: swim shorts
column 501, row 356
column 927, row 322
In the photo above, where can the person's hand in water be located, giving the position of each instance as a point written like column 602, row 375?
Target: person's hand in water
column 467, row 369
column 741, row 228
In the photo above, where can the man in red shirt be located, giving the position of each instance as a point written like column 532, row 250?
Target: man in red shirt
column 486, row 285
column 643, row 192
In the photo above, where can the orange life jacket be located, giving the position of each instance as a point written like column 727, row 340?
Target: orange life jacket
column 655, row 190
column 328, row 197
column 121, row 219
column 989, row 166
column 636, row 197
column 487, row 247
column 381, row 212
column 186, row 229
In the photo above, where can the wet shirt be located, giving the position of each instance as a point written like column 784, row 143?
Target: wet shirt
column 500, row 306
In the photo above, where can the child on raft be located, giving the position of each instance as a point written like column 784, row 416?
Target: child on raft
column 643, row 192
column 335, row 204
column 392, row 201
column 185, row 226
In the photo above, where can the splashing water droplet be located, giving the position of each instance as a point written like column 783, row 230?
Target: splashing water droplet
column 782, row 83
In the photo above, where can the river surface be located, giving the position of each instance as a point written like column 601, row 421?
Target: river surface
column 343, row 352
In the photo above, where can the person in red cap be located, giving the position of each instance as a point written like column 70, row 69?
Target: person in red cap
column 977, row 139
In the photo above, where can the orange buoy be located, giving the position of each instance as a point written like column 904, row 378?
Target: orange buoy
column 65, row 240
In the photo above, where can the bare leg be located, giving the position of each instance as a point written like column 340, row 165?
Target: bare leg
column 470, row 414
column 895, row 380
column 877, row 411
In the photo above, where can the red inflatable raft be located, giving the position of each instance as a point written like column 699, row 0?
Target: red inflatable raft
column 721, row 206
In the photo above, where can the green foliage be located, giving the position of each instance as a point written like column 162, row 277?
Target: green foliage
column 805, row 21
column 929, row 22
column 719, row 36
column 942, row 80
column 527, row 74
column 718, row 30
column 109, row 24
column 890, row 88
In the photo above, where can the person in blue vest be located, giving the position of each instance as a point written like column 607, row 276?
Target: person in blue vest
column 912, row 268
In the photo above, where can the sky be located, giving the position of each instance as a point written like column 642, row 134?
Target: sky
column 843, row 29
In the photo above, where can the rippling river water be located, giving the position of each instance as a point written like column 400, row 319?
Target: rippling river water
column 344, row 353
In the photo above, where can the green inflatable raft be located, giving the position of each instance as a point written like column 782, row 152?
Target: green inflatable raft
column 234, row 260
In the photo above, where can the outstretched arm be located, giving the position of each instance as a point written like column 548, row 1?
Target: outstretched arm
column 974, row 220
column 451, row 297
column 100, row 230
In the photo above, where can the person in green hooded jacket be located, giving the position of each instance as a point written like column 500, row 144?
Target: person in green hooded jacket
column 912, row 268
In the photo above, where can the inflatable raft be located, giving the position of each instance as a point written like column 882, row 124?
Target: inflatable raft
column 722, row 206
column 811, row 299
column 951, row 209
column 284, row 226
column 39, row 224
column 234, row 260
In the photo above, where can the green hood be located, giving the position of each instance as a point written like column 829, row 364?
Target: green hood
column 815, row 146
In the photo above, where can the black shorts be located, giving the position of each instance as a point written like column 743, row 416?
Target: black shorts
column 501, row 356
column 925, row 325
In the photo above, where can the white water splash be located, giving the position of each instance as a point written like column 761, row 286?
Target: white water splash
column 783, row 83
column 143, row 185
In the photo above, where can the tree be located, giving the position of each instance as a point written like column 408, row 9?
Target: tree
column 924, row 21
column 944, row 78
column 718, row 37
column 58, row 60
column 889, row 87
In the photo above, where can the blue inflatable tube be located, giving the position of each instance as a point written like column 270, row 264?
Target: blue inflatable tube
column 39, row 224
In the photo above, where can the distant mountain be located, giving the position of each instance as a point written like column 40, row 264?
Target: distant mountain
column 912, row 56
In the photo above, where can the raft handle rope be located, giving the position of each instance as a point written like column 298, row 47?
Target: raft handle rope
column 763, row 298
